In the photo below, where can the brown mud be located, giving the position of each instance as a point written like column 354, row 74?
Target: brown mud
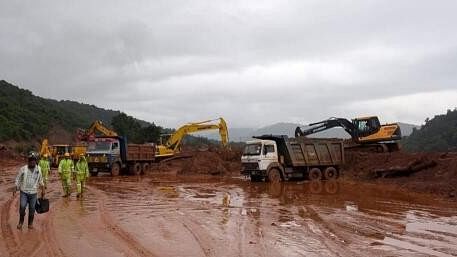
column 439, row 177
column 169, row 214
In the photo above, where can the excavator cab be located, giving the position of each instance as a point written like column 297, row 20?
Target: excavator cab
column 366, row 126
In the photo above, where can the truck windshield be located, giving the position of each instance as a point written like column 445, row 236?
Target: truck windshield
column 252, row 149
column 99, row 146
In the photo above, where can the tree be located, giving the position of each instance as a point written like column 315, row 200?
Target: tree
column 437, row 134
column 151, row 133
column 127, row 126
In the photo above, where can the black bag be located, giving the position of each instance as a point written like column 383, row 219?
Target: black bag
column 42, row 205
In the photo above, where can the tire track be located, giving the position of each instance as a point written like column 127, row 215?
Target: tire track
column 53, row 249
column 7, row 232
column 124, row 236
column 204, row 244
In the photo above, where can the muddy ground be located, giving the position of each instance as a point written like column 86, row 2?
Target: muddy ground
column 174, row 213
column 179, row 210
column 433, row 173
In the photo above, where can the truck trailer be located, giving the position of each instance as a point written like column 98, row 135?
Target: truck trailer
column 114, row 155
column 278, row 157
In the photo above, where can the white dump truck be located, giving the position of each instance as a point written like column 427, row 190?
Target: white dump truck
column 275, row 158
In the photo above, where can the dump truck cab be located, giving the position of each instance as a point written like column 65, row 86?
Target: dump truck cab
column 257, row 156
column 103, row 152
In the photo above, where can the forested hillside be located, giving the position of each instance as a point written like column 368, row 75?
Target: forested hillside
column 437, row 134
column 24, row 116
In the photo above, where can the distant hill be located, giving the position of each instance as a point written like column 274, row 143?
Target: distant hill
column 437, row 134
column 285, row 128
column 24, row 116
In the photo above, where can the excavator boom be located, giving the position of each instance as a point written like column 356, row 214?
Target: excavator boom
column 366, row 131
column 326, row 124
column 45, row 148
column 174, row 142
column 85, row 135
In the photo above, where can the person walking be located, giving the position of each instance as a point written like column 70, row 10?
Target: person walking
column 44, row 167
column 66, row 168
column 27, row 182
column 82, row 173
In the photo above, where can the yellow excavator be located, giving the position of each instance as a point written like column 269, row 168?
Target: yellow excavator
column 366, row 132
column 44, row 150
column 173, row 144
column 90, row 133
column 54, row 152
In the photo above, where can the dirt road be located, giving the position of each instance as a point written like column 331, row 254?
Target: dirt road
column 184, row 216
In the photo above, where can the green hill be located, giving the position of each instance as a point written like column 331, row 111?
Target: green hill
column 24, row 116
column 25, row 119
column 437, row 134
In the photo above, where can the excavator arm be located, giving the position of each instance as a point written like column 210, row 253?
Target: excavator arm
column 45, row 148
column 97, row 125
column 327, row 124
column 174, row 142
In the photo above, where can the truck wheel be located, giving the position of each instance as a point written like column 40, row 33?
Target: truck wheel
column 315, row 174
column 382, row 148
column 135, row 169
column 115, row 170
column 274, row 176
column 145, row 168
column 330, row 173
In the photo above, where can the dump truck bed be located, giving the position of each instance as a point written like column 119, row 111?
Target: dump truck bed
column 303, row 151
column 140, row 152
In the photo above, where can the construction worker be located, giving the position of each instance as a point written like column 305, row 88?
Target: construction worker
column 82, row 173
column 27, row 182
column 66, row 168
column 44, row 166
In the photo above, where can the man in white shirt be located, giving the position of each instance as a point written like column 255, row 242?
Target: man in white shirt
column 27, row 181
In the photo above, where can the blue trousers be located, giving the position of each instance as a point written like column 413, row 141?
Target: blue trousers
column 24, row 200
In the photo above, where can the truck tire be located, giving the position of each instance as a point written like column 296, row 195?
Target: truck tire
column 135, row 169
column 274, row 176
column 115, row 169
column 315, row 174
column 330, row 173
column 146, row 168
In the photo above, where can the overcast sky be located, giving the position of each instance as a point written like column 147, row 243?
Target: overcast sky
column 253, row 62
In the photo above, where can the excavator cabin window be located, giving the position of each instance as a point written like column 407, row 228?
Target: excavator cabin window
column 367, row 126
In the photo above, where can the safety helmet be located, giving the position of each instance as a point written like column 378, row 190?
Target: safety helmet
column 32, row 156
column 67, row 155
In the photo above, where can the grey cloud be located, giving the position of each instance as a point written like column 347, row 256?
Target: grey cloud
column 175, row 61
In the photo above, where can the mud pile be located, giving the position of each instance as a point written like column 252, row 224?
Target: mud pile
column 212, row 162
column 432, row 172
column 8, row 157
